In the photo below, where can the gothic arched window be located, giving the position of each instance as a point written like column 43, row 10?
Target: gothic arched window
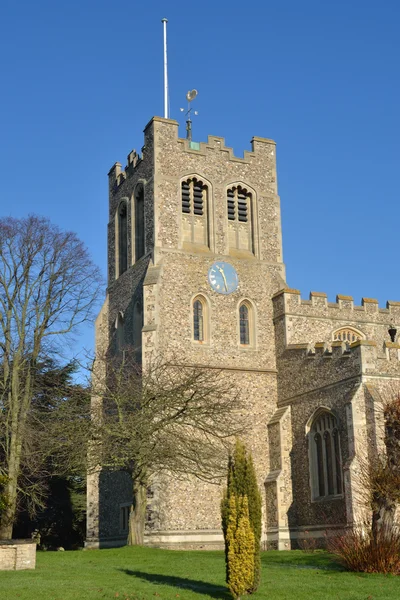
column 348, row 335
column 246, row 324
column 139, row 223
column 200, row 315
column 240, row 222
column 325, row 460
column 122, row 238
column 198, row 321
column 194, row 198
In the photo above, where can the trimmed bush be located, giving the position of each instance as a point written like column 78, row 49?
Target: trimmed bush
column 242, row 482
column 240, row 545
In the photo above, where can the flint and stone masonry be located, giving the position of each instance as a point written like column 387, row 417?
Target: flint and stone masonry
column 296, row 368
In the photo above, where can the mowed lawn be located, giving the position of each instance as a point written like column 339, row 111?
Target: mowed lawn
column 147, row 573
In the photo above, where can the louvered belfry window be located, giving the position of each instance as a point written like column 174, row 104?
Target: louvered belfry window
column 194, row 212
column 193, row 197
column 238, row 204
column 240, row 225
column 231, row 205
column 186, row 197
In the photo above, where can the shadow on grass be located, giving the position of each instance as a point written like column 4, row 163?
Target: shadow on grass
column 199, row 587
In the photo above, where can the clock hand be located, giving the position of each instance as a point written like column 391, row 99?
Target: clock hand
column 223, row 276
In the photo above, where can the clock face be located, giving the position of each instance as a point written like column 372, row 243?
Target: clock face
column 223, row 278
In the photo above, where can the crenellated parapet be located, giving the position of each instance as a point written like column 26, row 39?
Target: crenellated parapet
column 305, row 367
column 300, row 321
column 260, row 146
column 117, row 176
column 167, row 129
column 289, row 300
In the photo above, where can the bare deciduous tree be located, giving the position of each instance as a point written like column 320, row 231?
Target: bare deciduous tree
column 172, row 419
column 48, row 287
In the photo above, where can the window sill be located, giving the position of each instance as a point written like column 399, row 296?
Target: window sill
column 205, row 344
column 328, row 498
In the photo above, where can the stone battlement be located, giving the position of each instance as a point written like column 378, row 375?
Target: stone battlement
column 259, row 147
column 289, row 301
column 217, row 144
column 306, row 368
column 361, row 352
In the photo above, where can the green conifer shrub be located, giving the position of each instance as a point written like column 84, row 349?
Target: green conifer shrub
column 240, row 542
column 242, row 482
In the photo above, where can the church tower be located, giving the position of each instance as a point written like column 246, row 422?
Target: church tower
column 194, row 258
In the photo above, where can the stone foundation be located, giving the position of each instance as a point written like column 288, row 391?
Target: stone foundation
column 16, row 555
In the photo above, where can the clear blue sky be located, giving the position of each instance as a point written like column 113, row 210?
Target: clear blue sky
column 81, row 79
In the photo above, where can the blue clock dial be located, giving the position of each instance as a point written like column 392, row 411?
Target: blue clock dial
column 223, row 278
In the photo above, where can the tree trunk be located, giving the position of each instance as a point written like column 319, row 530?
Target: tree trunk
column 137, row 515
column 8, row 516
column 376, row 525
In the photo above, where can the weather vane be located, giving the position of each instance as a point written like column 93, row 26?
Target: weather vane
column 190, row 96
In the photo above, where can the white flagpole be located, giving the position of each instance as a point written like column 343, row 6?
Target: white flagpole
column 166, row 116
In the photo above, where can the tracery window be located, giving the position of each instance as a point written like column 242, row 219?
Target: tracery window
column 194, row 197
column 240, row 225
column 325, row 461
column 347, row 334
column 122, row 238
column 139, row 223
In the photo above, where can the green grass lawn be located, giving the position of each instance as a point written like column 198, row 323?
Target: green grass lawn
column 144, row 573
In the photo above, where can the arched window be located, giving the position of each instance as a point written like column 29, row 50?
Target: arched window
column 200, row 325
column 240, row 222
column 119, row 332
column 198, row 321
column 325, row 461
column 348, row 335
column 122, row 238
column 194, row 198
column 139, row 223
column 137, row 330
column 246, row 324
